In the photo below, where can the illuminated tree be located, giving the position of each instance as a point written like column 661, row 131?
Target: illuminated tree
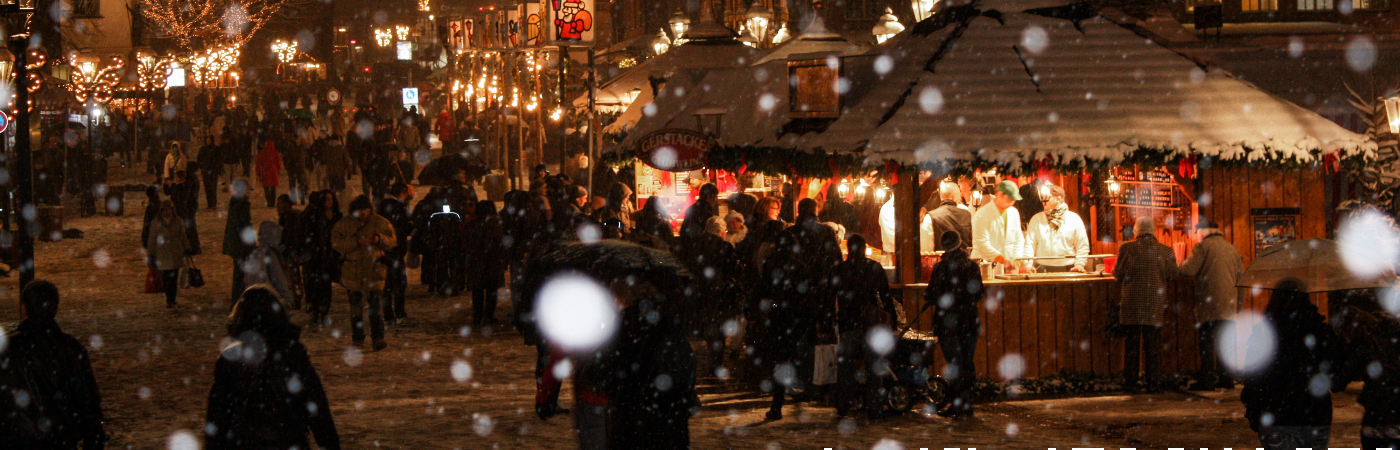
column 212, row 22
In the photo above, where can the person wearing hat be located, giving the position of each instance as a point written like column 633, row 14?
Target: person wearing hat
column 1057, row 231
column 996, row 228
column 1214, row 265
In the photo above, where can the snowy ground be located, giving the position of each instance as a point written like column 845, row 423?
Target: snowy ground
column 153, row 365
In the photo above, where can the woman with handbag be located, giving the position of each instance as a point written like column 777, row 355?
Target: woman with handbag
column 167, row 248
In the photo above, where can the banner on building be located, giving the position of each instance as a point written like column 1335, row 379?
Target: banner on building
column 512, row 28
column 534, row 25
column 572, row 21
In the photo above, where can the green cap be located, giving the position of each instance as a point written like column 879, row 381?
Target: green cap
column 1009, row 188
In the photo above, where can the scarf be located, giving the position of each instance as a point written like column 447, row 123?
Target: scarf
column 1056, row 216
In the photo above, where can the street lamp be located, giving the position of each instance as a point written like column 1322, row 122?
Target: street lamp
column 923, row 9
column 887, row 27
column 679, row 25
column 757, row 19
column 661, row 44
column 18, row 15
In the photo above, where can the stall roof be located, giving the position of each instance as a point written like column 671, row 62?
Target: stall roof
column 692, row 55
column 1009, row 87
column 754, row 101
column 815, row 38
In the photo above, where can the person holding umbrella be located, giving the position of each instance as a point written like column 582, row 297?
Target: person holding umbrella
column 1215, row 266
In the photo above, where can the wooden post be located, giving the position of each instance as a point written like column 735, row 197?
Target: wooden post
column 906, row 219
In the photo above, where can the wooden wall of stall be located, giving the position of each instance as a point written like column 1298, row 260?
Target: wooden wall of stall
column 1057, row 327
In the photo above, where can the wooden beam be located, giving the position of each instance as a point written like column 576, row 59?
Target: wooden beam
column 906, row 230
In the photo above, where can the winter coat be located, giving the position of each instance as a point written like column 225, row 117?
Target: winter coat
column 362, row 270
column 1305, row 347
column 815, row 246
column 955, row 290
column 397, row 213
column 486, row 262
column 1216, row 266
column 949, row 217
column 174, row 161
column 1374, row 347
column 268, row 402
column 152, row 211
column 650, row 383
column 1145, row 267
column 716, row 296
column 336, row 161
column 167, row 244
column 860, row 285
column 240, row 217
column 269, row 165
column 264, row 265
column 54, row 368
column 442, row 244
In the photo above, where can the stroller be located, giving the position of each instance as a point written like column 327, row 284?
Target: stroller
column 910, row 383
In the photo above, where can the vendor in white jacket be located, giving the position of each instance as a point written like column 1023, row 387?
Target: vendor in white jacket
column 996, row 229
column 1057, row 231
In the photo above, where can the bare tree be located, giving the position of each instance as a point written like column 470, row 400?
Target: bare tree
column 190, row 22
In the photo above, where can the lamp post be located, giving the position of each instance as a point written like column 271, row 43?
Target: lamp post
column 661, row 44
column 679, row 23
column 757, row 19
column 887, row 27
column 18, row 16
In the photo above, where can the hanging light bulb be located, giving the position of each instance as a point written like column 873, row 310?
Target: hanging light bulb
column 844, row 188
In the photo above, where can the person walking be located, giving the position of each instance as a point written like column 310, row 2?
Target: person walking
column 362, row 241
column 175, row 159
column 269, row 171
column 395, row 208
column 48, row 394
column 211, row 166
column 1289, row 401
column 337, row 164
column 863, row 304
column 264, row 265
column 1214, row 265
column 321, row 265
column 486, row 264
column 648, row 414
column 1145, row 267
column 240, row 221
column 804, row 311
column 955, row 289
column 1373, row 342
column 168, row 246
column 266, row 393
column 183, row 191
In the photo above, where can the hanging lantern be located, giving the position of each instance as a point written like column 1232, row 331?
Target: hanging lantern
column 1114, row 187
column 1392, row 112
column 661, row 44
column 680, row 23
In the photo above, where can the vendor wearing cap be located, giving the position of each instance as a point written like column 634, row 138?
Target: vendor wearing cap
column 996, row 228
column 1057, row 231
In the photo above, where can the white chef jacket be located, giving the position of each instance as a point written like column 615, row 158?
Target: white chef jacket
column 997, row 233
column 1070, row 239
column 887, row 230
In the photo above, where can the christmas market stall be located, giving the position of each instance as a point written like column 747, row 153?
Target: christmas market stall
column 1128, row 128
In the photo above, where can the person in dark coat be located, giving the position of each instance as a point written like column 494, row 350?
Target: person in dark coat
column 322, row 263
column 183, row 191
column 838, row 210
column 716, row 296
column 653, row 225
column 422, row 212
column 460, row 195
column 395, row 208
column 863, row 303
column 266, row 393
column 949, row 217
column 441, row 242
column 485, row 239
column 804, row 311
column 1284, row 402
column 1145, row 267
column 706, row 206
column 289, row 218
column 64, row 407
column 955, row 291
column 650, row 383
column 1373, row 340
column 240, row 222
column 211, row 165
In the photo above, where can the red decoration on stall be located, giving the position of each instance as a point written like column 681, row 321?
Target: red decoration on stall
column 1329, row 161
column 743, row 163
column 835, row 169
column 1042, row 169
column 1186, row 167
column 892, row 169
column 1085, row 181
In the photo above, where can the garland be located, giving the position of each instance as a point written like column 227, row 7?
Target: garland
column 781, row 161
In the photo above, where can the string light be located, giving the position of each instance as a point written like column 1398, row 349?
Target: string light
column 89, row 83
column 231, row 21
column 402, row 31
column 383, row 37
column 285, row 51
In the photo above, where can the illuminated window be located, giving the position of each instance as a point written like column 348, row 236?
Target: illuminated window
column 1258, row 5
column 1372, row 4
column 1314, row 5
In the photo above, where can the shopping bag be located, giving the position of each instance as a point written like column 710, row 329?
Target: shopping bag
column 191, row 277
column 824, row 371
column 153, row 281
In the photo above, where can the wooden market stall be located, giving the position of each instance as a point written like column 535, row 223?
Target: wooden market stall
column 1088, row 101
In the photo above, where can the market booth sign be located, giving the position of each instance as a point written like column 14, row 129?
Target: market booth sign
column 674, row 150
